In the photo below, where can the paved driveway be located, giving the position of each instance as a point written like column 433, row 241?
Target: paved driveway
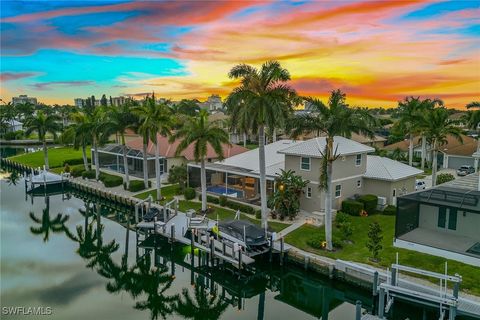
column 428, row 179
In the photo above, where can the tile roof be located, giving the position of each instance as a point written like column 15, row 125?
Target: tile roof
column 168, row 149
column 314, row 147
column 381, row 168
column 452, row 147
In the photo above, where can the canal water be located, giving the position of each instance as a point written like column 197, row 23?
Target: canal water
column 78, row 258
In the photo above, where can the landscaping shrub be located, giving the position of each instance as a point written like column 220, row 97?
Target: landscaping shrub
column 66, row 168
column 258, row 214
column 76, row 171
column 346, row 230
column 352, row 207
column 390, row 210
column 222, row 200
column 444, row 177
column 136, row 185
column 73, row 161
column 88, row 174
column 178, row 174
column 15, row 135
column 210, row 199
column 110, row 181
column 370, row 202
column 341, row 218
column 240, row 206
column 317, row 242
column 189, row 193
column 375, row 237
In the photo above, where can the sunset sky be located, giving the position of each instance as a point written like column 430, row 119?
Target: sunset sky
column 376, row 51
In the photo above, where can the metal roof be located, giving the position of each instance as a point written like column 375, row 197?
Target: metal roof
column 382, row 168
column 315, row 147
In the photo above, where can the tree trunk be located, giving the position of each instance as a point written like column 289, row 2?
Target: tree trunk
column 45, row 154
column 263, row 179
column 328, row 196
column 203, row 183
column 84, row 156
column 274, row 135
column 95, row 155
column 157, row 170
column 145, row 165
column 125, row 163
column 424, row 151
column 434, row 164
column 244, row 139
column 410, row 149
column 99, row 225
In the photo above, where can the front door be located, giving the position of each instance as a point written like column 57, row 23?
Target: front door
column 447, row 218
column 394, row 197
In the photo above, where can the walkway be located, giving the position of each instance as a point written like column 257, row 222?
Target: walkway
column 289, row 229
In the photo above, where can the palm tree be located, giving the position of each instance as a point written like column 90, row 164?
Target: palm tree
column 146, row 127
column 425, row 107
column 201, row 133
column 80, row 133
column 43, row 124
column 437, row 127
column 472, row 118
column 121, row 119
column 263, row 100
column 410, row 115
column 162, row 125
column 334, row 119
column 98, row 122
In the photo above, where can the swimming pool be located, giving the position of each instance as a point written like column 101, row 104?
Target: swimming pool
column 226, row 191
column 114, row 167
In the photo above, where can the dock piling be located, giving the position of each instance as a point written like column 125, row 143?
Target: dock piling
column 358, row 310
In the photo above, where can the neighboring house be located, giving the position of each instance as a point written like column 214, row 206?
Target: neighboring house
column 442, row 221
column 376, row 141
column 458, row 119
column 111, row 155
column 451, row 155
column 238, row 176
column 213, row 103
column 13, row 125
column 388, row 178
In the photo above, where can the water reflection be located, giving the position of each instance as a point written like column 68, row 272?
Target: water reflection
column 47, row 224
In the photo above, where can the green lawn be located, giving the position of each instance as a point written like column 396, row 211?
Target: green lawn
column 56, row 157
column 168, row 192
column 357, row 250
column 226, row 214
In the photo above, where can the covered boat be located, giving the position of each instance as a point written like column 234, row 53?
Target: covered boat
column 243, row 232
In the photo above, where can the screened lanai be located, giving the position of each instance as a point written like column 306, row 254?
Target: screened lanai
column 444, row 218
column 110, row 157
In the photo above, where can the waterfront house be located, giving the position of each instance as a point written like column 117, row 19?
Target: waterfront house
column 238, row 176
column 442, row 221
column 111, row 155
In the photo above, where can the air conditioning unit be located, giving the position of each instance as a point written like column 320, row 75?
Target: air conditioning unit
column 382, row 203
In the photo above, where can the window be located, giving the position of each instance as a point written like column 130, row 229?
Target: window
column 309, row 192
column 358, row 160
column 359, row 183
column 305, row 164
column 338, row 191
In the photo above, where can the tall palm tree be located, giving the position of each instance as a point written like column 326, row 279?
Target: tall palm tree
column 263, row 100
column 98, row 122
column 121, row 119
column 80, row 133
column 472, row 118
column 425, row 107
column 410, row 115
column 201, row 133
column 334, row 119
column 43, row 124
column 162, row 125
column 146, row 127
column 437, row 128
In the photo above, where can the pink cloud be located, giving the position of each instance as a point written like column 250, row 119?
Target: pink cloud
column 10, row 76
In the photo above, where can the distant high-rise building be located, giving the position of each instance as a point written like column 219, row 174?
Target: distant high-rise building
column 213, row 103
column 118, row 101
column 79, row 102
column 23, row 98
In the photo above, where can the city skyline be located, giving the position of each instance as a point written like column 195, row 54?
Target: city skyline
column 377, row 52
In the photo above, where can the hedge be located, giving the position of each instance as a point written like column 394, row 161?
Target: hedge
column 210, row 199
column 390, row 210
column 137, row 185
column 189, row 193
column 76, row 171
column 110, row 181
column 370, row 202
column 352, row 207
column 89, row 174
column 73, row 161
column 316, row 242
column 222, row 200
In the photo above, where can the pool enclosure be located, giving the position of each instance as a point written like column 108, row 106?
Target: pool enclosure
column 230, row 181
column 110, row 157
column 442, row 221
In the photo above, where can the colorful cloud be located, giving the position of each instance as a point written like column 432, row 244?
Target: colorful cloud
column 376, row 51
